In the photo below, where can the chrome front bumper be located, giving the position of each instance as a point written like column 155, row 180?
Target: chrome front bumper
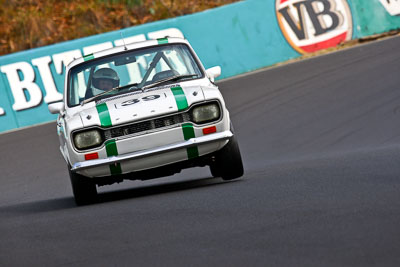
column 151, row 152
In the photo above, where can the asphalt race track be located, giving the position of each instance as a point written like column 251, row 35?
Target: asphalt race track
column 320, row 141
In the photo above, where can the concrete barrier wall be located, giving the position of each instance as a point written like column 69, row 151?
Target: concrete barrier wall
column 240, row 37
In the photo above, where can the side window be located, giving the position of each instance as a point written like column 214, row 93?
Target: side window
column 78, row 86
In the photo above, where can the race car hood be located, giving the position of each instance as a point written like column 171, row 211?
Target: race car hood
column 138, row 106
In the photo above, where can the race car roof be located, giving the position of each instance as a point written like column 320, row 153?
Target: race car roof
column 130, row 47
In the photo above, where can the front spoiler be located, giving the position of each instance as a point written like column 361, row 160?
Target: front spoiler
column 154, row 151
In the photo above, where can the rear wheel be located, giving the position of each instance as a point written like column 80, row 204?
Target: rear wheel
column 228, row 162
column 84, row 189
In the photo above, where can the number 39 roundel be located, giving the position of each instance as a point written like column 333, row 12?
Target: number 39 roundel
column 312, row 25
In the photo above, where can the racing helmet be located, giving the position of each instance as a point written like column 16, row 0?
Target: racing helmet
column 105, row 73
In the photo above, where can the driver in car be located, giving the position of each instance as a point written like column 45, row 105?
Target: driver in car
column 104, row 79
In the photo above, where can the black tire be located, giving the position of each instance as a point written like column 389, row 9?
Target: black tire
column 228, row 162
column 85, row 191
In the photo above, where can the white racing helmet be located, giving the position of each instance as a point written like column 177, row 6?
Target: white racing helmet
column 105, row 73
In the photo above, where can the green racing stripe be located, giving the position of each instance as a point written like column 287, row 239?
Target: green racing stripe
column 187, row 128
column 111, row 149
column 88, row 57
column 180, row 98
column 188, row 132
column 162, row 41
column 111, row 146
column 104, row 115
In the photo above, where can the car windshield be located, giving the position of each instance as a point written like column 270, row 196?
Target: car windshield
column 132, row 70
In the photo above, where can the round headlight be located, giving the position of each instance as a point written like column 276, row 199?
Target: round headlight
column 205, row 113
column 88, row 139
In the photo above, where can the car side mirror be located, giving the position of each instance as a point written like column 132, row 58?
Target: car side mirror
column 56, row 108
column 213, row 72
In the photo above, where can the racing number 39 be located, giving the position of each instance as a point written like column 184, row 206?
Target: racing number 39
column 137, row 100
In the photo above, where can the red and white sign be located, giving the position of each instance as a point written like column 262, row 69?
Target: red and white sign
column 312, row 25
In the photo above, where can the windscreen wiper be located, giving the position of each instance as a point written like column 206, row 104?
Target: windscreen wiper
column 172, row 78
column 109, row 91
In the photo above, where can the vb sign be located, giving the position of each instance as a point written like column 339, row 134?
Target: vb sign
column 312, row 25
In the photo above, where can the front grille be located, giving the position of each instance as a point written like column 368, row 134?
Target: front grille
column 147, row 126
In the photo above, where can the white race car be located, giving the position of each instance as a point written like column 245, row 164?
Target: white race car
column 142, row 111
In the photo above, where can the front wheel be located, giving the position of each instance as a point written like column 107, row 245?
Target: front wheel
column 228, row 162
column 84, row 189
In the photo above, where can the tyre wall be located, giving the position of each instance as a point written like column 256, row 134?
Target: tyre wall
column 240, row 37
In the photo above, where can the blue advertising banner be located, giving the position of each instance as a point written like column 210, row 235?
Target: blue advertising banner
column 240, row 37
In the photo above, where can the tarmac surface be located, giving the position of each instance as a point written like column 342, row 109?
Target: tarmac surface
column 320, row 140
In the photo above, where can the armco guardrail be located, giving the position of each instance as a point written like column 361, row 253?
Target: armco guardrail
column 239, row 37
